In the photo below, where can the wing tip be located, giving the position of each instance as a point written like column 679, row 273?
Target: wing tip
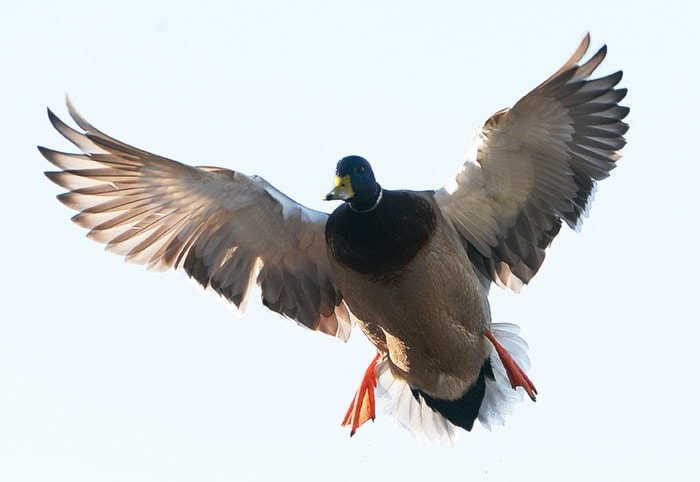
column 585, row 44
column 56, row 121
column 55, row 177
column 78, row 117
column 45, row 152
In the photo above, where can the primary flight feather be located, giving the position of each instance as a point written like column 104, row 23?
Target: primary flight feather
column 412, row 269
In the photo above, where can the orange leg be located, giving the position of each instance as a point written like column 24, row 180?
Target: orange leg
column 516, row 375
column 362, row 407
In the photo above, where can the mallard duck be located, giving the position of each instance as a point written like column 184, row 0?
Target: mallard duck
column 412, row 269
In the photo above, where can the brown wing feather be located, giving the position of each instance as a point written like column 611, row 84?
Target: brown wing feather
column 535, row 165
column 227, row 230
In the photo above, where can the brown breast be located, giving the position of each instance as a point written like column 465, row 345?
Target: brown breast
column 420, row 300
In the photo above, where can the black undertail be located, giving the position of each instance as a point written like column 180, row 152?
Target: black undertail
column 465, row 410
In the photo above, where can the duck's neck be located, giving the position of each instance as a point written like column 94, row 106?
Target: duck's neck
column 367, row 204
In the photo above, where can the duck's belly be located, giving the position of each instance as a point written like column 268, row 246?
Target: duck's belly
column 429, row 316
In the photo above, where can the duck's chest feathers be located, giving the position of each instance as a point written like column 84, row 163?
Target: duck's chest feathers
column 384, row 239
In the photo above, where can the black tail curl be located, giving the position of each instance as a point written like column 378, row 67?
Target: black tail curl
column 465, row 410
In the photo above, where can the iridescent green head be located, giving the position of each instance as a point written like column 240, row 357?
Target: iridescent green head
column 354, row 183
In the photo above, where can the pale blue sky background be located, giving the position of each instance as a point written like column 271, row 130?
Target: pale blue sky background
column 111, row 373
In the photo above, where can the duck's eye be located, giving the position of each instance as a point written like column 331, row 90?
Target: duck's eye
column 360, row 169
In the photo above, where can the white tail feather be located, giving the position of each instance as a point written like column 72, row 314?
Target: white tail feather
column 417, row 417
column 500, row 398
column 413, row 415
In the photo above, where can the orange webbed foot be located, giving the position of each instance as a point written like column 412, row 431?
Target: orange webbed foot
column 516, row 375
column 362, row 407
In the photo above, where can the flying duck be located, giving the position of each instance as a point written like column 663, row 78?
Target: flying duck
column 411, row 268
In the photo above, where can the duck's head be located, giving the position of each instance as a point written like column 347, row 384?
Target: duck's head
column 355, row 184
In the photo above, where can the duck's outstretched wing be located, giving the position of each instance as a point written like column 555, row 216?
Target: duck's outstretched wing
column 534, row 165
column 225, row 229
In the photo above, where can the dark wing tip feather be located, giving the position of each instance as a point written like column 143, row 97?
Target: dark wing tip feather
column 56, row 177
column 56, row 122
column 48, row 154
